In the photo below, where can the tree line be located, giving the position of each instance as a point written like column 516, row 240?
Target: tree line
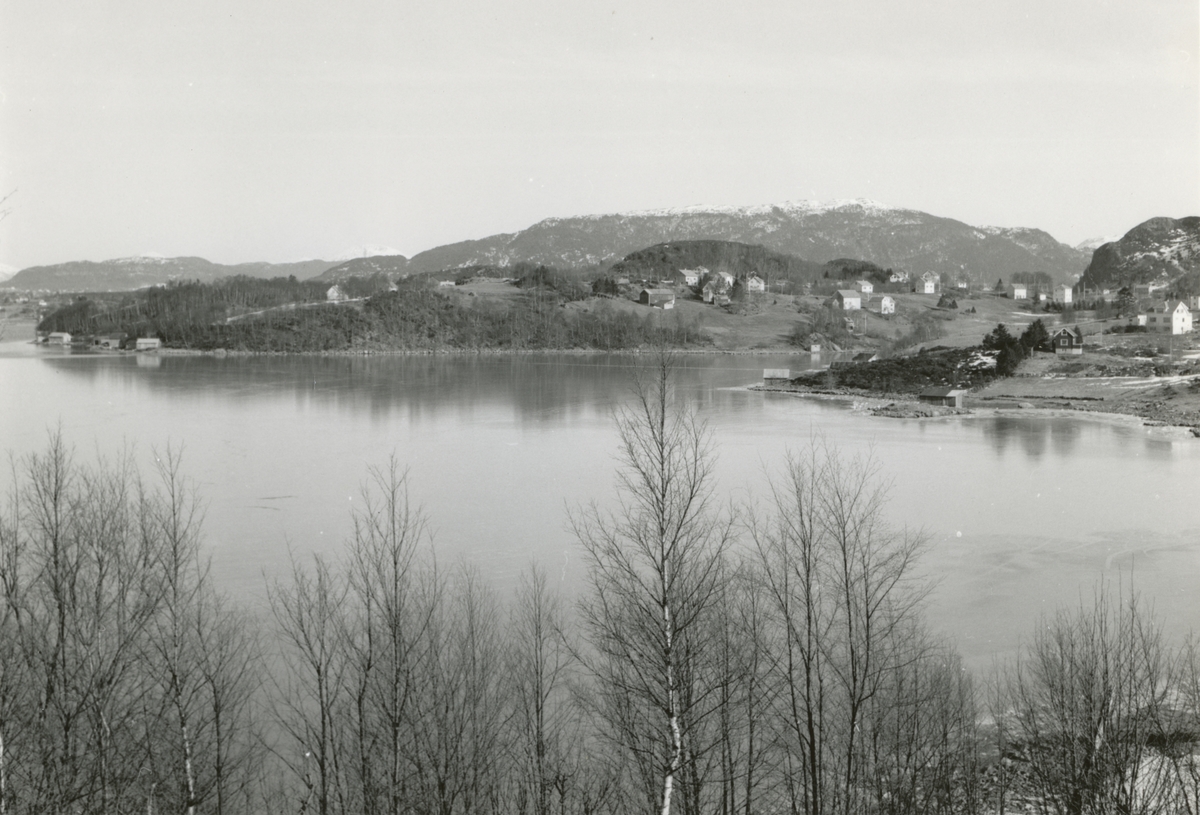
column 772, row 659
column 286, row 315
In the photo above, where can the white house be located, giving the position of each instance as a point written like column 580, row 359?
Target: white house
column 1169, row 319
column 848, row 300
column 865, row 287
column 887, row 305
column 754, row 283
column 335, row 294
column 726, row 278
column 691, row 277
column 59, row 338
column 1018, row 291
column 898, row 277
column 927, row 283
column 1062, row 294
column 148, row 344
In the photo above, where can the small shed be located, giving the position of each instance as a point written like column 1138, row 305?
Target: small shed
column 1067, row 341
column 848, row 300
column 148, row 344
column 949, row 397
column 658, row 298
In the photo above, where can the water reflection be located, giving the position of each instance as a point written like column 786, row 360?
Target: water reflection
column 539, row 388
column 1032, row 435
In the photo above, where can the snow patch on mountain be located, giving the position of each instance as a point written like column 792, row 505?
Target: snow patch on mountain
column 7, row 271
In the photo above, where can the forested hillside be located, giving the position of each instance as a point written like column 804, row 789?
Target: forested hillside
column 285, row 315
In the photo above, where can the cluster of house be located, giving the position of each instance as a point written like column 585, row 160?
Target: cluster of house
column 713, row 287
column 852, row 299
column 1023, row 291
column 108, row 342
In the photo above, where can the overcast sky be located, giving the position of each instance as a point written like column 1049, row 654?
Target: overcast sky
column 252, row 130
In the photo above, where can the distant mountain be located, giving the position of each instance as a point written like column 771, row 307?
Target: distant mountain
column 1160, row 250
column 1092, row 244
column 365, row 252
column 660, row 261
column 390, row 265
column 888, row 236
column 123, row 274
column 6, row 272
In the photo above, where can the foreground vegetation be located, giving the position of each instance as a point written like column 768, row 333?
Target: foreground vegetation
column 778, row 661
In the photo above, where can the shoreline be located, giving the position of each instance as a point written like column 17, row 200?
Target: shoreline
column 868, row 403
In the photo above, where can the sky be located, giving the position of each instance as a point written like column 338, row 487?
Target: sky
column 269, row 130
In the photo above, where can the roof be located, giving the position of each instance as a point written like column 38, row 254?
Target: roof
column 848, row 294
column 1073, row 331
column 944, row 392
column 659, row 292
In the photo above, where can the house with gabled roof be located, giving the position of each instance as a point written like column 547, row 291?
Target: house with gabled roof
column 848, row 300
column 1067, row 341
column 1170, row 319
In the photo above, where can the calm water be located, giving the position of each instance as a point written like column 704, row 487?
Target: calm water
column 1022, row 513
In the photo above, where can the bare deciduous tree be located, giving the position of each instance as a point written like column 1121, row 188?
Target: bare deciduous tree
column 654, row 571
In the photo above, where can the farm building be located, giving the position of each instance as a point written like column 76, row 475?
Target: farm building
column 148, row 344
column 848, row 300
column 1062, row 294
column 1067, row 341
column 887, row 305
column 927, row 283
column 658, row 298
column 1018, row 291
column 59, row 338
column 865, row 286
column 691, row 277
column 754, row 283
column 950, row 397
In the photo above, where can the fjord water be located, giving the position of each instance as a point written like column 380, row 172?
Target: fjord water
column 1022, row 513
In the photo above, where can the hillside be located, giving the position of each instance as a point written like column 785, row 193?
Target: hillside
column 662, row 260
column 887, row 236
column 391, row 265
column 127, row 274
column 1160, row 250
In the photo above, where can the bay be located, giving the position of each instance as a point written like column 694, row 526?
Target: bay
column 1022, row 513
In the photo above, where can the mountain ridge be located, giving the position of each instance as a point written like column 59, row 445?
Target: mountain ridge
column 128, row 273
column 1159, row 250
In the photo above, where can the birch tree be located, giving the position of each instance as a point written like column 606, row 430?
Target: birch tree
column 654, row 566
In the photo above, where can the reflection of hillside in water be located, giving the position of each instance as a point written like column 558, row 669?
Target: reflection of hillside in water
column 534, row 387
